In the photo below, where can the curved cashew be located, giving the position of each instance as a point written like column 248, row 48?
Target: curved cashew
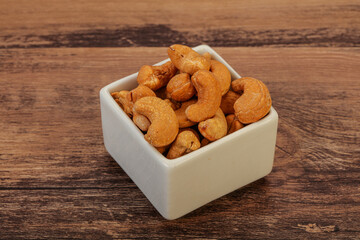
column 122, row 100
column 141, row 121
column 227, row 102
column 180, row 87
column 209, row 96
column 207, row 56
column 139, row 92
column 222, row 74
column 181, row 116
column 254, row 103
column 185, row 142
column 214, row 128
column 186, row 59
column 156, row 77
column 164, row 123
column 233, row 123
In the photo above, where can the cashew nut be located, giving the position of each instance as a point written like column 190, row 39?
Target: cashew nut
column 185, row 142
column 254, row 103
column 227, row 102
column 186, row 59
column 181, row 116
column 180, row 87
column 215, row 127
column 141, row 121
column 164, row 123
column 122, row 100
column 116, row 96
column 207, row 56
column 139, row 92
column 209, row 96
column 156, row 77
column 233, row 123
column 222, row 74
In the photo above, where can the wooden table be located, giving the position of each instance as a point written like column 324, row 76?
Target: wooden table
column 58, row 182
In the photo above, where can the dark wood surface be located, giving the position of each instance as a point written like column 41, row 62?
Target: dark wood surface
column 58, row 182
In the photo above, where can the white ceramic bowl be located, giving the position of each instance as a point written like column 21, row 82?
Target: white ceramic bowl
column 177, row 187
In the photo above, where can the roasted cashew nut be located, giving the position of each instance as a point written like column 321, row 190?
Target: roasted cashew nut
column 126, row 99
column 141, row 121
column 214, row 128
column 233, row 123
column 139, row 92
column 181, row 116
column 164, row 123
column 187, row 60
column 209, row 96
column 207, row 56
column 222, row 74
column 122, row 100
column 185, row 142
column 254, row 103
column 180, row 87
column 156, row 77
column 227, row 102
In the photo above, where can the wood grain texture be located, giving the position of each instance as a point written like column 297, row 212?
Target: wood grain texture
column 43, row 24
column 58, row 182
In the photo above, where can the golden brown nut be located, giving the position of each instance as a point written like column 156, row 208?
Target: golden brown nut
column 139, row 92
column 185, row 142
column 141, row 121
column 122, row 100
column 222, row 74
column 254, row 103
column 214, row 128
column 181, row 116
column 209, row 96
column 233, row 123
column 156, row 77
column 186, row 59
column 180, row 87
column 164, row 123
column 131, row 97
column 207, row 56
column 116, row 96
column 227, row 102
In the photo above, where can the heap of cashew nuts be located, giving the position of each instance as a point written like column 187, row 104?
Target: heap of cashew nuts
column 188, row 95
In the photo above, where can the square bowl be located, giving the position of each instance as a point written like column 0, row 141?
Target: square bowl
column 179, row 186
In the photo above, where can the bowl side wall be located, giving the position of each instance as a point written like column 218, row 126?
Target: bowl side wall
column 223, row 168
column 141, row 162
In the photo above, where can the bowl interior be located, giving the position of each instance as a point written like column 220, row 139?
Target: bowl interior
column 129, row 82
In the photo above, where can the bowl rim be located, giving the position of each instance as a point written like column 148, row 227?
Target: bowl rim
column 169, row 163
